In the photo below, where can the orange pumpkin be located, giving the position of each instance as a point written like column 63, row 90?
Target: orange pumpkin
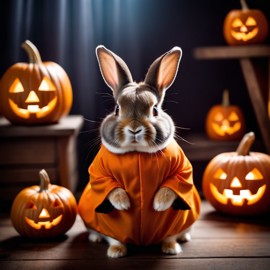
column 225, row 121
column 36, row 92
column 245, row 26
column 43, row 211
column 238, row 183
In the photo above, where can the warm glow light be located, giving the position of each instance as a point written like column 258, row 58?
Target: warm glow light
column 233, row 117
column 33, row 109
column 225, row 128
column 251, row 21
column 44, row 213
column 254, row 175
column 235, row 183
column 32, row 97
column 244, row 34
column 237, row 200
column 16, row 86
column 220, row 174
column 237, row 23
column 44, row 224
column 46, row 85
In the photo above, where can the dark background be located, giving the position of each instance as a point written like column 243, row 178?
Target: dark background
column 139, row 31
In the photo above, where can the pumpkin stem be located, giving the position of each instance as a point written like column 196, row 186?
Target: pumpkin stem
column 244, row 5
column 32, row 51
column 225, row 98
column 245, row 144
column 44, row 180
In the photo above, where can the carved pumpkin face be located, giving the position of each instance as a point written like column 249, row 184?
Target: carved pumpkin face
column 36, row 103
column 238, row 184
column 43, row 211
column 35, row 93
column 225, row 122
column 44, row 216
column 246, row 26
column 244, row 30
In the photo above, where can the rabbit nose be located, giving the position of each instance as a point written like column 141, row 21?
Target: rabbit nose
column 134, row 132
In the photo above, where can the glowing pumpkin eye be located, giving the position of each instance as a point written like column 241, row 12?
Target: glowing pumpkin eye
column 219, row 117
column 254, row 175
column 220, row 174
column 237, row 23
column 46, row 85
column 16, row 86
column 233, row 117
column 31, row 205
column 250, row 22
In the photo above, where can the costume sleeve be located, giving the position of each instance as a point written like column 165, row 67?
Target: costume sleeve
column 102, row 183
column 181, row 182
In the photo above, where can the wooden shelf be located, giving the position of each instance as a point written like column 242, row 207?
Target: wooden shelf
column 258, row 82
column 201, row 149
column 25, row 150
column 226, row 52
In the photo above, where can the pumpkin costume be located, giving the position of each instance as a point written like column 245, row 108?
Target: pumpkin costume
column 141, row 175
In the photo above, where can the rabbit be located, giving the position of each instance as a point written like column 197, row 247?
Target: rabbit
column 141, row 189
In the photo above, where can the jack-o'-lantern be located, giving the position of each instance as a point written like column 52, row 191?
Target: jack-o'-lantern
column 238, row 183
column 36, row 92
column 225, row 121
column 43, row 211
column 245, row 26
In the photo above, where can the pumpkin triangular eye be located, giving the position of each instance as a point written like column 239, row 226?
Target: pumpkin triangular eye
column 47, row 85
column 16, row 86
column 219, row 117
column 56, row 203
column 31, row 205
column 220, row 174
column 233, row 117
column 254, row 175
column 237, row 23
column 250, row 21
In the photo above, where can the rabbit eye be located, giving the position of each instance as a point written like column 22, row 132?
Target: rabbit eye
column 155, row 111
column 116, row 110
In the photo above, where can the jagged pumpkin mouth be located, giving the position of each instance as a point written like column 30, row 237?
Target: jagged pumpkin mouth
column 245, row 36
column 33, row 109
column 244, row 195
column 47, row 224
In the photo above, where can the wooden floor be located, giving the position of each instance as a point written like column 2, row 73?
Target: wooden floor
column 218, row 242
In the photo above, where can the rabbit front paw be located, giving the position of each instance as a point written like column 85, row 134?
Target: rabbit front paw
column 164, row 199
column 119, row 199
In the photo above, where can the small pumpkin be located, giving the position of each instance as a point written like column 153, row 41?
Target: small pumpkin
column 36, row 92
column 245, row 26
column 225, row 121
column 238, row 183
column 43, row 211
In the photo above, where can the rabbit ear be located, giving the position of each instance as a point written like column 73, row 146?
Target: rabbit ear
column 113, row 69
column 162, row 72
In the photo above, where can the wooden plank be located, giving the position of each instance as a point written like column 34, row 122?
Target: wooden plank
column 257, row 100
column 210, row 240
column 67, row 126
column 67, row 161
column 138, row 263
column 227, row 52
column 27, row 151
column 200, row 148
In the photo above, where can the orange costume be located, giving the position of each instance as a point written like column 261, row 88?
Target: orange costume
column 141, row 175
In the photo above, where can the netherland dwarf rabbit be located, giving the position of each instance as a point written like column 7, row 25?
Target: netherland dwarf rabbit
column 141, row 189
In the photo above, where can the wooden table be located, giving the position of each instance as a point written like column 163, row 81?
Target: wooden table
column 25, row 150
column 256, row 74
